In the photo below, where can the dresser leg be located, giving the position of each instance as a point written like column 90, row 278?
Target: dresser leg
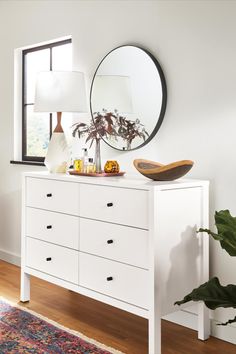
column 154, row 335
column 203, row 322
column 25, row 287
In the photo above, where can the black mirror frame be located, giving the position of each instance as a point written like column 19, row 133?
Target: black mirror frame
column 164, row 95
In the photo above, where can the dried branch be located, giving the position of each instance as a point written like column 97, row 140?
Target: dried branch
column 107, row 124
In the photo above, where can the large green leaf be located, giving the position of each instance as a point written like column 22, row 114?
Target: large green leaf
column 214, row 295
column 226, row 227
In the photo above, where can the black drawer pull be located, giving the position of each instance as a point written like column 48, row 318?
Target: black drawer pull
column 49, row 195
column 48, row 259
column 109, row 278
column 109, row 204
column 110, row 241
column 49, row 226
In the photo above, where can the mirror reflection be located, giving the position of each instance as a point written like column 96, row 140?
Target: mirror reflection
column 128, row 93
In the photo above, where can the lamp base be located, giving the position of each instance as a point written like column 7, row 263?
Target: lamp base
column 58, row 155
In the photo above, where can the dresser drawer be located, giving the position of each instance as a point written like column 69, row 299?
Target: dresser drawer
column 52, row 259
column 121, row 243
column 57, row 228
column 117, row 205
column 53, row 195
column 114, row 279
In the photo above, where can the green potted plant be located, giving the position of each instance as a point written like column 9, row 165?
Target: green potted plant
column 212, row 293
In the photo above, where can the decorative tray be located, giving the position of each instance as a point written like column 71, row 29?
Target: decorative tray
column 94, row 174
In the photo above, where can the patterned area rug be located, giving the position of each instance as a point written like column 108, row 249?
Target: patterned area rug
column 23, row 331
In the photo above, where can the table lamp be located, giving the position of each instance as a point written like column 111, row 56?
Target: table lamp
column 59, row 91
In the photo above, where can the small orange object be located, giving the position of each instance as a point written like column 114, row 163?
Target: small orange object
column 111, row 166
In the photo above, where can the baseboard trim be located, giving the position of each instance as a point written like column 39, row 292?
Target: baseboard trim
column 10, row 257
column 226, row 333
column 190, row 320
column 183, row 318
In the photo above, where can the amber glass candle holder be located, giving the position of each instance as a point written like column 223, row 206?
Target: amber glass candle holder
column 111, row 166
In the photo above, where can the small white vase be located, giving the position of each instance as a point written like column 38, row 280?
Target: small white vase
column 58, row 155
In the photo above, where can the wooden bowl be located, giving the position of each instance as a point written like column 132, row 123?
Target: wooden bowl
column 160, row 172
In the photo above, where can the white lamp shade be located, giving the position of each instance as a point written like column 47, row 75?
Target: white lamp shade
column 111, row 92
column 60, row 91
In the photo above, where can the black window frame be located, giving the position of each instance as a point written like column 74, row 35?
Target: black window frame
column 50, row 46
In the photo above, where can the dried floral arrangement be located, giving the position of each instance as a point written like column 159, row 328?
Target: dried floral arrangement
column 107, row 124
column 102, row 126
column 128, row 130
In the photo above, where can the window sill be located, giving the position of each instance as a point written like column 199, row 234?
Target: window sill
column 31, row 163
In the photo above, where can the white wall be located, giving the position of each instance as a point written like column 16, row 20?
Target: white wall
column 194, row 42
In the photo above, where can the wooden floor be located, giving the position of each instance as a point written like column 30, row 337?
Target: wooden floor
column 104, row 323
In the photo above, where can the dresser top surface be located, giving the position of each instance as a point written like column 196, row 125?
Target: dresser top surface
column 129, row 181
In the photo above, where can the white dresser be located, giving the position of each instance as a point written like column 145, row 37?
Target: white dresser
column 130, row 243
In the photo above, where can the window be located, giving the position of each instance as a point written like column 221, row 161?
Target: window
column 37, row 127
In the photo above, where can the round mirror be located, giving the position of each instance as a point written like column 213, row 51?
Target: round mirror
column 128, row 97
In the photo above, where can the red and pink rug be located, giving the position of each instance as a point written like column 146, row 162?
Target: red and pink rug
column 22, row 331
